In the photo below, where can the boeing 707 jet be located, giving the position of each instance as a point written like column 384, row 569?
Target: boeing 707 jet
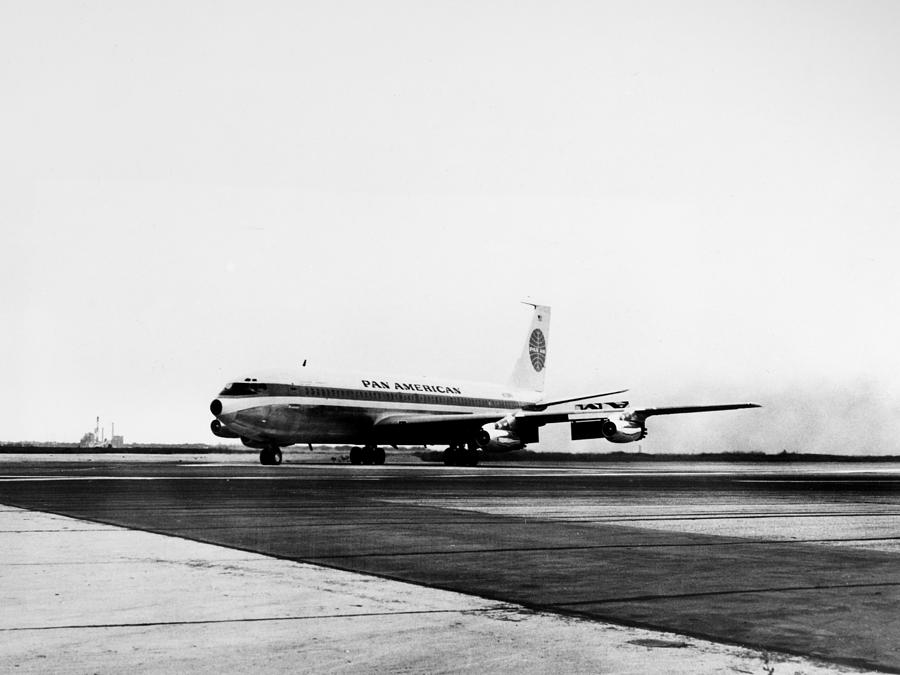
column 270, row 412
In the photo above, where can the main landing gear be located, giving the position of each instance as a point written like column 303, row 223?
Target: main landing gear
column 371, row 454
column 270, row 455
column 461, row 455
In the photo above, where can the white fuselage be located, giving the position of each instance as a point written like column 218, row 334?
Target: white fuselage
column 311, row 407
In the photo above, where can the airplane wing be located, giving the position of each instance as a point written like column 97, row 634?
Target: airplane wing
column 522, row 425
column 543, row 405
column 464, row 421
column 644, row 413
column 414, row 429
column 431, row 429
column 467, row 420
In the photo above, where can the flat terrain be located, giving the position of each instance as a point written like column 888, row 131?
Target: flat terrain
column 797, row 559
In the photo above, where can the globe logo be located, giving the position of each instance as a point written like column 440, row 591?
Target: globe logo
column 537, row 349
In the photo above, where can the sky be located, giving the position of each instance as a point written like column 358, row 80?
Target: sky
column 705, row 192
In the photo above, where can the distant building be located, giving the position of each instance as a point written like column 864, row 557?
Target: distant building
column 97, row 438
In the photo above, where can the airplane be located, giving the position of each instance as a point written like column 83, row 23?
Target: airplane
column 271, row 411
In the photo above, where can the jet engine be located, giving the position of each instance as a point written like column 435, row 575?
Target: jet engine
column 500, row 436
column 221, row 431
column 622, row 429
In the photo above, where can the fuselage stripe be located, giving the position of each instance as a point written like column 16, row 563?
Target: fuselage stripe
column 266, row 390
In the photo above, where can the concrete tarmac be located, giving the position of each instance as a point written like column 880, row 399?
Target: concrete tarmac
column 798, row 562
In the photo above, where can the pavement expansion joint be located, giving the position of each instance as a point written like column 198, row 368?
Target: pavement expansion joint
column 255, row 619
column 59, row 531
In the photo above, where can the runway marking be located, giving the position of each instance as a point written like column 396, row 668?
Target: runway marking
column 304, row 617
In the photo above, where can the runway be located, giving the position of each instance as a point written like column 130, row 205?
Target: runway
column 803, row 560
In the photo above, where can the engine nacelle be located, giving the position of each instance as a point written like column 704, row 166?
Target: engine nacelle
column 499, row 436
column 622, row 429
column 220, row 430
column 616, row 429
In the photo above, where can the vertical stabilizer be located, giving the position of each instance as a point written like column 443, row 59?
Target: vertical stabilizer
column 531, row 366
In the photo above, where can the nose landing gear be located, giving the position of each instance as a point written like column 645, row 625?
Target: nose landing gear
column 270, row 455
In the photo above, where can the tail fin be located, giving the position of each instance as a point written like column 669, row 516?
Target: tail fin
column 530, row 368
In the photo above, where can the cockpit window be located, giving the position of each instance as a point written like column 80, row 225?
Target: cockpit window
column 243, row 389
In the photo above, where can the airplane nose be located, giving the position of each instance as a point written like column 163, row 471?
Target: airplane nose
column 216, row 407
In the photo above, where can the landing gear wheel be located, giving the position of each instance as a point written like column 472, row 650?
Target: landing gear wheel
column 458, row 455
column 471, row 454
column 453, row 456
column 270, row 456
column 370, row 454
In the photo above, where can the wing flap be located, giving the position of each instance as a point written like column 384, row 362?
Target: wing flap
column 449, row 419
